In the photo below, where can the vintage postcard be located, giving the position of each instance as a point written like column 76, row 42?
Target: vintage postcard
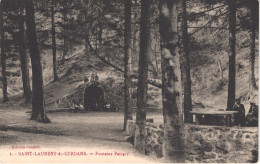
column 129, row 81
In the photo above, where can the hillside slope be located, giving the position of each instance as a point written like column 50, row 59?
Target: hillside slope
column 208, row 88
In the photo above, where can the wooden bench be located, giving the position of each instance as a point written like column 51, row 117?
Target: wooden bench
column 210, row 117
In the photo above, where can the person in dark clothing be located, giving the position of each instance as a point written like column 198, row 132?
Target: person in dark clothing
column 86, row 100
column 239, row 118
column 98, row 97
column 252, row 116
column 94, row 97
column 87, row 97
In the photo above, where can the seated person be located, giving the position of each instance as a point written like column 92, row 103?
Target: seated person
column 110, row 107
column 75, row 106
column 239, row 118
column 252, row 116
column 106, row 107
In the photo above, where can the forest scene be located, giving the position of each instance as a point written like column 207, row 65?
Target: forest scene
column 150, row 81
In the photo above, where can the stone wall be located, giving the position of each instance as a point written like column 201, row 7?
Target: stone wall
column 206, row 143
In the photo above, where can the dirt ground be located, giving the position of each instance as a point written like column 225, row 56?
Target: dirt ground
column 71, row 137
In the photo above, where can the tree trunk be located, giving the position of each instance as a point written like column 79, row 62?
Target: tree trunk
column 134, row 51
column 140, row 132
column 155, row 56
column 38, row 111
column 232, row 54
column 186, row 77
column 64, row 33
column 53, row 33
column 220, row 69
column 100, row 33
column 130, row 73
column 253, row 12
column 135, row 32
column 86, row 39
column 24, row 58
column 173, row 146
column 87, row 35
column 100, row 21
column 3, row 57
column 127, row 112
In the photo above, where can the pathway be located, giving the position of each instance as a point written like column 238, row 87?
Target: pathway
column 78, row 137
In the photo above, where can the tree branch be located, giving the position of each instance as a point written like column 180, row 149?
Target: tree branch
column 108, row 63
column 202, row 12
column 151, row 82
column 206, row 25
column 223, row 28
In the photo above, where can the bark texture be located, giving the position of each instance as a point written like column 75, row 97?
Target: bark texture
column 64, row 13
column 232, row 54
column 254, row 17
column 38, row 111
column 186, row 63
column 53, row 33
column 173, row 146
column 3, row 55
column 140, row 132
column 24, row 57
column 127, row 47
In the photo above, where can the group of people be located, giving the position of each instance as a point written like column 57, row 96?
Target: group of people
column 93, row 97
column 240, row 119
column 93, row 94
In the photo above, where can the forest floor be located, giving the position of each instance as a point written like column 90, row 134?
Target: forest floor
column 68, row 135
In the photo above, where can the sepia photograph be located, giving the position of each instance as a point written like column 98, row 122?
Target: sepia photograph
column 129, row 81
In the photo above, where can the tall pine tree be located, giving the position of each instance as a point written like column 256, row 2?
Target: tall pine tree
column 23, row 55
column 232, row 54
column 3, row 55
column 38, row 111
column 127, row 47
column 186, row 63
column 140, row 132
column 53, row 34
column 173, row 145
column 254, row 7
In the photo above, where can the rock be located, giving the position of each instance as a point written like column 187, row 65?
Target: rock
column 207, row 146
column 160, row 133
column 209, row 156
column 191, row 152
column 198, row 158
column 255, row 156
column 160, row 140
column 148, row 149
column 220, row 161
column 131, row 140
column 149, row 120
column 158, row 150
column 189, row 159
column 221, row 150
